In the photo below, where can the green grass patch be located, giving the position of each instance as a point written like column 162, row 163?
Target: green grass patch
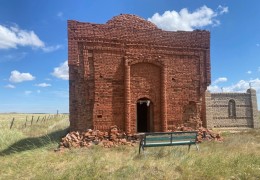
column 29, row 154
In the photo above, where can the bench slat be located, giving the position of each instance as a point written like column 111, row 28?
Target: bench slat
column 154, row 138
column 168, row 139
column 168, row 144
column 169, row 133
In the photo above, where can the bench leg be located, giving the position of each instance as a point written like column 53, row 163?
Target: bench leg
column 189, row 148
column 141, row 147
column 197, row 146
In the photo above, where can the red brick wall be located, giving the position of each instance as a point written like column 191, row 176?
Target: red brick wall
column 146, row 83
column 113, row 65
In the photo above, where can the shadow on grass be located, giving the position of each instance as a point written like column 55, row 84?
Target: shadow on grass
column 35, row 142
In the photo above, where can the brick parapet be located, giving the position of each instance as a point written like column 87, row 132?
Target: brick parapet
column 97, row 33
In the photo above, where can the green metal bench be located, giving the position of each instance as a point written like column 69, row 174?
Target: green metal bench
column 159, row 139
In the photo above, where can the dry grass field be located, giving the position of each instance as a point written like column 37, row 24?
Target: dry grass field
column 28, row 153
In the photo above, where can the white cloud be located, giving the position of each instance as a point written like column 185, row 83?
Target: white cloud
column 17, row 77
column 62, row 71
column 214, row 88
column 10, row 86
column 249, row 72
column 43, row 85
column 222, row 10
column 184, row 20
column 11, row 37
column 240, row 86
column 51, row 48
column 27, row 92
column 221, row 79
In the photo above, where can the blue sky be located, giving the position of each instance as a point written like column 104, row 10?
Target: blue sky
column 33, row 43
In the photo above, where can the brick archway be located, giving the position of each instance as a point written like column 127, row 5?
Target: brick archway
column 145, row 79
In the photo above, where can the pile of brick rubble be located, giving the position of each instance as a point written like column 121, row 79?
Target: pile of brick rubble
column 114, row 137
column 204, row 134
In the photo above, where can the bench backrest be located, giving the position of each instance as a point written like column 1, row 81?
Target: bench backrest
column 170, row 137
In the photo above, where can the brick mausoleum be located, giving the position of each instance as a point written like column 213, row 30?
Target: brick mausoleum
column 129, row 73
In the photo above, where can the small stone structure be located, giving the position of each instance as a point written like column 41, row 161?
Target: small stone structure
column 232, row 110
column 129, row 73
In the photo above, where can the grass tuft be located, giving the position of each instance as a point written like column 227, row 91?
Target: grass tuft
column 28, row 153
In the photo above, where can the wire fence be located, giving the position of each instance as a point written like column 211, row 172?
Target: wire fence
column 24, row 121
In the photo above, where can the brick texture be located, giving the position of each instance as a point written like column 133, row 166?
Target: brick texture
column 217, row 109
column 114, row 65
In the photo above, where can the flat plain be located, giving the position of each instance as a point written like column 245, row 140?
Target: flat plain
column 28, row 153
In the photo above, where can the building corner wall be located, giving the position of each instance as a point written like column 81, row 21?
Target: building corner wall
column 254, row 109
column 208, row 105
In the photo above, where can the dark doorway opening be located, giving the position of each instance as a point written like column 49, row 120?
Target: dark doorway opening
column 144, row 115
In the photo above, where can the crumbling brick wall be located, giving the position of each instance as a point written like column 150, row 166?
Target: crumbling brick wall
column 114, row 65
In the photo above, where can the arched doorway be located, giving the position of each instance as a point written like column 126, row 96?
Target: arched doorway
column 144, row 113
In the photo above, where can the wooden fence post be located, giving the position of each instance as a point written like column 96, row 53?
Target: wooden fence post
column 38, row 119
column 25, row 124
column 32, row 120
column 12, row 123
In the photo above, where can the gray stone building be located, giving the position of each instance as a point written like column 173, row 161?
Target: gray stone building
column 232, row 110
